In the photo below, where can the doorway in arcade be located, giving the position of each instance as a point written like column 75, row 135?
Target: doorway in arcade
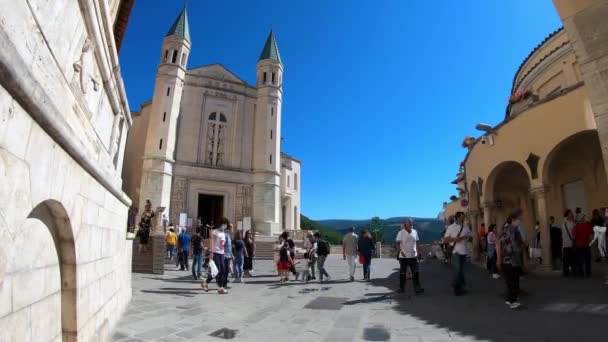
column 210, row 211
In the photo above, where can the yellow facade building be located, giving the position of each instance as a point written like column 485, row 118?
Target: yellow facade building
column 544, row 157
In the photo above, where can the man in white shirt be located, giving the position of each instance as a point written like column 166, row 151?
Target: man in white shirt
column 407, row 247
column 456, row 237
column 349, row 251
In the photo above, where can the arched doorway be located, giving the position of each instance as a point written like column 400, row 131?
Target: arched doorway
column 574, row 172
column 42, row 273
column 508, row 188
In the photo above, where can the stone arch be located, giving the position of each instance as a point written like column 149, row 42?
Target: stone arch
column 507, row 189
column 575, row 160
column 54, row 216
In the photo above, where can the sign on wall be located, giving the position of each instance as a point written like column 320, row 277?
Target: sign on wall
column 182, row 219
column 246, row 223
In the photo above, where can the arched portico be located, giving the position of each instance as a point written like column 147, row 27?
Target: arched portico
column 574, row 173
column 507, row 189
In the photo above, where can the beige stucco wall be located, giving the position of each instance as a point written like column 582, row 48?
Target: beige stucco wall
column 290, row 193
column 451, row 208
column 64, row 261
column 559, row 128
column 543, row 128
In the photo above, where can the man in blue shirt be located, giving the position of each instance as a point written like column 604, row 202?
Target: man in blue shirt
column 184, row 248
column 228, row 253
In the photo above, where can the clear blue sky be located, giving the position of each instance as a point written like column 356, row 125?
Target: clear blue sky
column 377, row 94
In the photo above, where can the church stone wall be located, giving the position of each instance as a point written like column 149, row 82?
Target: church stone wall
column 132, row 167
column 64, row 261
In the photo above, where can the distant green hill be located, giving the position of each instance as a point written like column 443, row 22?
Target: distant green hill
column 428, row 229
column 328, row 233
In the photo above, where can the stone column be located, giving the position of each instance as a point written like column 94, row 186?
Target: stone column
column 540, row 194
column 587, row 26
column 474, row 221
column 487, row 213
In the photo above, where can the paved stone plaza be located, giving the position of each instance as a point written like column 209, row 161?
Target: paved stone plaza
column 173, row 307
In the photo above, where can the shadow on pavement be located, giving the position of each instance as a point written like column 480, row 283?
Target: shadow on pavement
column 555, row 309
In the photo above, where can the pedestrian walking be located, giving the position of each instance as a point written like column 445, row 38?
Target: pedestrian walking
column 456, row 237
column 407, row 244
column 240, row 253
column 171, row 240
column 568, row 257
column 184, row 249
column 165, row 222
column 350, row 251
column 492, row 256
column 292, row 252
column 599, row 234
column 145, row 225
column 210, row 268
column 509, row 250
column 322, row 250
column 218, row 245
column 227, row 254
column 555, row 233
column 310, row 255
column 197, row 254
column 250, row 246
column 366, row 247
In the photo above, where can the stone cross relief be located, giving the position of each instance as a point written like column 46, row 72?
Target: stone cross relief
column 85, row 66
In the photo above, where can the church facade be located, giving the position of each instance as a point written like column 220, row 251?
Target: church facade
column 209, row 145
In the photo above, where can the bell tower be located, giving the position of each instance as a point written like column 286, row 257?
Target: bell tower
column 158, row 157
column 267, row 141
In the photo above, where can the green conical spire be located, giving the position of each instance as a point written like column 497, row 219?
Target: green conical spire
column 270, row 51
column 180, row 26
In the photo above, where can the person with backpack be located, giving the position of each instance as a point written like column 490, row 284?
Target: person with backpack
column 456, row 237
column 184, row 249
column 285, row 262
column 510, row 260
column 310, row 255
column 366, row 247
column 322, row 250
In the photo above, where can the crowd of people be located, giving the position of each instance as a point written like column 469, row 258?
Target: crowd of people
column 507, row 248
column 229, row 252
column 316, row 249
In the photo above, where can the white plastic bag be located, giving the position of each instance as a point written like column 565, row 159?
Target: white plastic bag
column 213, row 268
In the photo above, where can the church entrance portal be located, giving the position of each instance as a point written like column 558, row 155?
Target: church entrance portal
column 210, row 209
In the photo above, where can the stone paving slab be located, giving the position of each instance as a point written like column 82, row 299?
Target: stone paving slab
column 173, row 307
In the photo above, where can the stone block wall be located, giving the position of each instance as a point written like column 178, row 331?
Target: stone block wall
column 152, row 258
column 65, row 263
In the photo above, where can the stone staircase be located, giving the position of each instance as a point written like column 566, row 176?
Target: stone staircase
column 151, row 260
